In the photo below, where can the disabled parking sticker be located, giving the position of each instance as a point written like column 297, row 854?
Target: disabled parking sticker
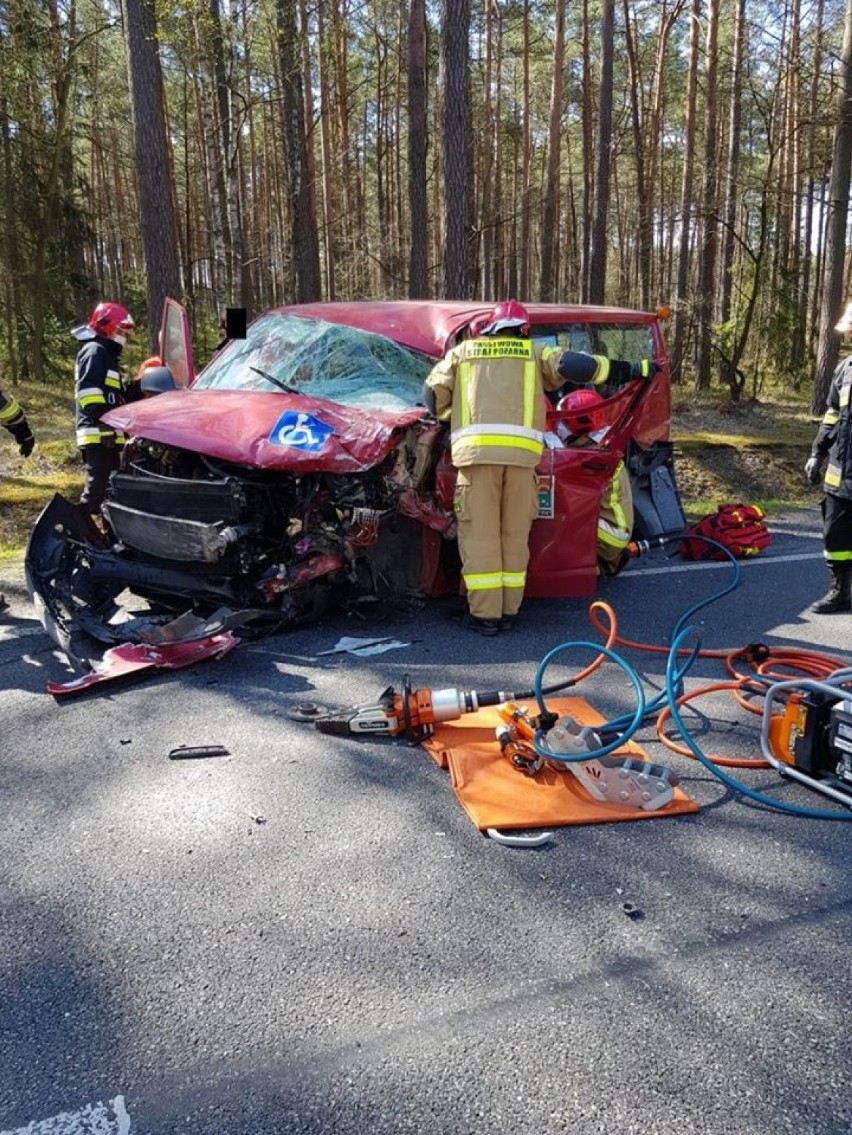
column 302, row 431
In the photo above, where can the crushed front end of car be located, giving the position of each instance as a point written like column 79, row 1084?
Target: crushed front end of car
column 188, row 532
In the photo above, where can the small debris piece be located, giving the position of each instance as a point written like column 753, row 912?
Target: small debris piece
column 192, row 752
column 633, row 912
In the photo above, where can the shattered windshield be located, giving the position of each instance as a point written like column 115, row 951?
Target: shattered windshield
column 324, row 360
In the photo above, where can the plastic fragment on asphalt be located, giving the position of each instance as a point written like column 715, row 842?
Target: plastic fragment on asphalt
column 135, row 658
column 363, row 647
column 194, row 752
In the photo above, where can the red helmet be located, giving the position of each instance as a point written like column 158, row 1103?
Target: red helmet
column 112, row 321
column 583, row 400
column 507, row 314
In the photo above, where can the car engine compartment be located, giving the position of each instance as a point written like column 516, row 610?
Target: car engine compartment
column 187, row 532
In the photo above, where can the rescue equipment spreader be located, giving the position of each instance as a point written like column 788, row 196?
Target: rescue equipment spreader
column 502, row 778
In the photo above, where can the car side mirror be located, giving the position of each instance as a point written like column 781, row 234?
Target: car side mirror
column 157, row 380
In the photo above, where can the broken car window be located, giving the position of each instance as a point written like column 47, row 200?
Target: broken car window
column 325, row 360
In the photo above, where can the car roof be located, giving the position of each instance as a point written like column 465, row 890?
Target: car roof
column 431, row 326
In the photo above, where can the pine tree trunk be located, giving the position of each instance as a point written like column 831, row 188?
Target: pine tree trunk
column 417, row 139
column 154, row 173
column 456, row 140
column 597, row 266
column 705, row 305
column 304, row 241
column 547, row 284
column 838, row 213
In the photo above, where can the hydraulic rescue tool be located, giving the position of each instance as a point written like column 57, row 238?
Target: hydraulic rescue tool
column 610, row 779
column 623, row 781
column 412, row 712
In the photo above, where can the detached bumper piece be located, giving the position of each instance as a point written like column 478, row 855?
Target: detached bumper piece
column 72, row 606
column 73, row 593
column 133, row 659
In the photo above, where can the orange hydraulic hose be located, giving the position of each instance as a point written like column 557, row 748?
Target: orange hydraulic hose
column 611, row 636
column 769, row 665
column 729, row 762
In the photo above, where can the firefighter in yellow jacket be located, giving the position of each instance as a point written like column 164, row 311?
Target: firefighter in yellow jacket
column 491, row 387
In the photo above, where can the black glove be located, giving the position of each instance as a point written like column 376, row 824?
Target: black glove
column 133, row 389
column 813, row 470
column 645, row 370
column 23, row 435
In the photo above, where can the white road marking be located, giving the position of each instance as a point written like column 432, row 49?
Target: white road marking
column 706, row 565
column 93, row 1119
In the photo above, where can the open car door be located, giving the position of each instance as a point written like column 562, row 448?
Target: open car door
column 176, row 343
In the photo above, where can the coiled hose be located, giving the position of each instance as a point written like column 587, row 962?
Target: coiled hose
column 827, row 674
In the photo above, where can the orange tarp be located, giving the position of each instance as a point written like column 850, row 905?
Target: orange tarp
column 497, row 795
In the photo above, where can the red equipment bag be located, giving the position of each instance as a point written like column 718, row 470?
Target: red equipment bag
column 741, row 528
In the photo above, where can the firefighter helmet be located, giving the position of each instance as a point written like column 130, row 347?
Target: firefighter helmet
column 506, row 315
column 112, row 321
column 583, row 400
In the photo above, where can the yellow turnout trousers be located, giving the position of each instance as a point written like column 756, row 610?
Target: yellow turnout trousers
column 495, row 506
column 615, row 521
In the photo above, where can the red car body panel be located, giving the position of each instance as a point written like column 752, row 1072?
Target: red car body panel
column 237, row 426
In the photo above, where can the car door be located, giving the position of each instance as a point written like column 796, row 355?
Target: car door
column 176, row 343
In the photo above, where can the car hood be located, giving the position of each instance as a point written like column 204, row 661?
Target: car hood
column 266, row 430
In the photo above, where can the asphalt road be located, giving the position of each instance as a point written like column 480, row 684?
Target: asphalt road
column 310, row 935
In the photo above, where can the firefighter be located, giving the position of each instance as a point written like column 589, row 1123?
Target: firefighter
column 491, row 388
column 100, row 387
column 15, row 421
column 615, row 518
column 832, row 448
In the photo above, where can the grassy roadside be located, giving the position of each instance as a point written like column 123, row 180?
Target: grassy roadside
column 753, row 452
column 27, row 484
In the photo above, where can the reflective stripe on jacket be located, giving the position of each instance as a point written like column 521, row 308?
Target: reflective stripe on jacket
column 492, row 390
column 11, row 414
column 99, row 388
column 834, row 439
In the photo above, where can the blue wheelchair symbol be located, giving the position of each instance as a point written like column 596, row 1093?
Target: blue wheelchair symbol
column 300, row 431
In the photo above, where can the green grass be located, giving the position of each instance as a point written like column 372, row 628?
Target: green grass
column 28, row 483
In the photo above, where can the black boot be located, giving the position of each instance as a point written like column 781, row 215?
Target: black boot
column 839, row 598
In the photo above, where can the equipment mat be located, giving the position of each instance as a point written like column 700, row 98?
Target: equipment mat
column 497, row 795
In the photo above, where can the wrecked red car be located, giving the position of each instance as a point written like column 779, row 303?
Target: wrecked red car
column 299, row 470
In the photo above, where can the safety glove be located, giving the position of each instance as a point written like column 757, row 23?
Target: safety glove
column 645, row 370
column 813, row 470
column 23, row 435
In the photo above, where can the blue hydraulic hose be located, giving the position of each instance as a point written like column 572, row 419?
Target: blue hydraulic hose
column 636, row 721
column 726, row 779
column 653, row 707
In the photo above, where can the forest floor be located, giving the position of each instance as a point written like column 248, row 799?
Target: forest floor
column 752, row 452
